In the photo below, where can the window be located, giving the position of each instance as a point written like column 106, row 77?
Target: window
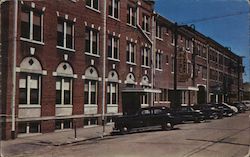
column 31, row 24
column 90, row 92
column 131, row 15
column 145, row 23
column 114, row 8
column 65, row 34
column 158, row 30
column 28, row 127
column 204, row 72
column 145, row 98
column 112, row 93
column 94, row 4
column 158, row 63
column 63, row 91
column 145, row 56
column 63, row 124
column 29, row 89
column 187, row 44
column 130, row 49
column 113, row 47
column 91, row 41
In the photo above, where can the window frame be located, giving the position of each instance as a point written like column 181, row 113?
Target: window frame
column 110, row 93
column 31, row 13
column 28, row 88
column 62, row 82
column 158, row 60
column 131, row 47
column 65, row 25
column 112, row 6
column 145, row 61
column 89, row 98
column 114, row 41
column 91, row 6
column 91, row 32
column 131, row 12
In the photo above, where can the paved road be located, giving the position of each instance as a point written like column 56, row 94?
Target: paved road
column 228, row 137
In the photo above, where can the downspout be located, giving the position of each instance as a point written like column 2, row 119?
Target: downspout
column 153, row 57
column 13, row 101
column 208, row 72
column 104, row 65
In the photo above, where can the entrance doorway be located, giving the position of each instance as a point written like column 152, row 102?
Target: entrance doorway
column 201, row 95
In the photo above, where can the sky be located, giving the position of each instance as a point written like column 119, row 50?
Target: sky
column 230, row 31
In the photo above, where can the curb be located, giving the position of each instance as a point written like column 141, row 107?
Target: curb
column 81, row 140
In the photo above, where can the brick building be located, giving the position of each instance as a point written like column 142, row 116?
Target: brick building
column 81, row 62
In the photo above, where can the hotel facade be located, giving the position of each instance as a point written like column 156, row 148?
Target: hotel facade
column 67, row 63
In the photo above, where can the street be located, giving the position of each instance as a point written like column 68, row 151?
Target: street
column 227, row 137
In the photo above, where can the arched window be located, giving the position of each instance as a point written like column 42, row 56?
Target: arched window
column 145, row 97
column 30, row 82
column 64, row 79
column 112, row 88
column 90, row 86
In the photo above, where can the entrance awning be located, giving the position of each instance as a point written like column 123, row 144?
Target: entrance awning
column 141, row 90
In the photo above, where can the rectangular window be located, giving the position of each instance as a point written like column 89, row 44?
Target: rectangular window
column 163, row 95
column 173, row 38
column 114, row 6
column 94, row 4
column 187, row 44
column 29, row 89
column 145, row 23
column 63, row 91
column 145, row 56
column 158, row 30
column 130, row 50
column 158, row 62
column 91, row 41
column 90, row 92
column 131, row 15
column 112, row 93
column 31, row 24
column 113, row 47
column 65, row 34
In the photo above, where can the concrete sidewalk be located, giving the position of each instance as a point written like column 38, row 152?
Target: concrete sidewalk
column 62, row 137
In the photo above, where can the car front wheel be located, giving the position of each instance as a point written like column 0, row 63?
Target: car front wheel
column 124, row 130
column 167, row 126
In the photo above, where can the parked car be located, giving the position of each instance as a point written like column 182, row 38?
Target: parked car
column 187, row 113
column 209, row 111
column 246, row 102
column 227, row 111
column 241, row 107
column 145, row 118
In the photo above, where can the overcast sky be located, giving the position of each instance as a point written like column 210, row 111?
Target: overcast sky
column 229, row 25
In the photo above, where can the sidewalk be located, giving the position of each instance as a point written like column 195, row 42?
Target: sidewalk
column 62, row 137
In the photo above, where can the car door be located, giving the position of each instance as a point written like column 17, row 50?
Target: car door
column 144, row 119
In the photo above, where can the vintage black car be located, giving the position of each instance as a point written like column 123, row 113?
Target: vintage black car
column 210, row 112
column 227, row 111
column 240, row 106
column 187, row 113
column 145, row 118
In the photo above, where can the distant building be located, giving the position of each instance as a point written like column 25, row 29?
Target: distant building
column 76, row 65
column 246, row 91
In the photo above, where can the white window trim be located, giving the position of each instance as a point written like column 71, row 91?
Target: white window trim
column 64, row 47
column 92, row 6
column 111, row 91
column 158, row 59
column 113, row 49
column 91, row 43
column 28, row 79
column 113, row 10
column 131, row 17
column 62, row 91
column 145, row 58
column 130, row 53
column 30, row 39
column 89, row 93
column 146, row 21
